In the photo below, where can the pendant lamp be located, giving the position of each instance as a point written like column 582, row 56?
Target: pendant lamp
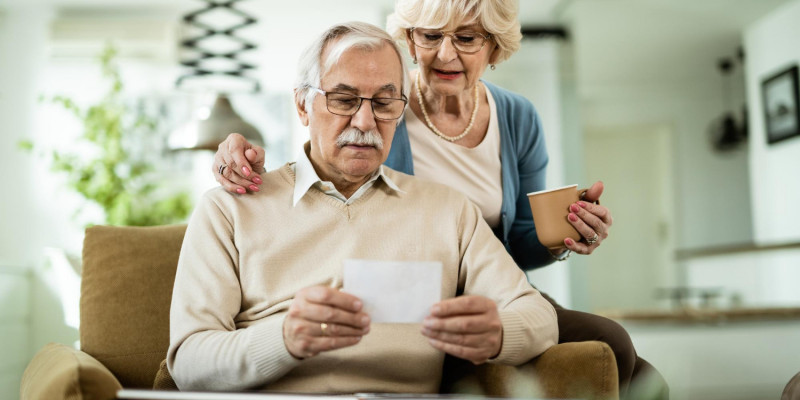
column 207, row 128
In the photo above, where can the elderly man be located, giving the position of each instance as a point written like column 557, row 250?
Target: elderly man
column 253, row 306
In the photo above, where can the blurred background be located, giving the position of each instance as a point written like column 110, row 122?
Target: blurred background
column 662, row 100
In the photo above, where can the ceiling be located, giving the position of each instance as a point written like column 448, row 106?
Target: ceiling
column 645, row 41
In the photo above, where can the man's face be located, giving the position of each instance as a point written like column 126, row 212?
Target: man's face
column 365, row 73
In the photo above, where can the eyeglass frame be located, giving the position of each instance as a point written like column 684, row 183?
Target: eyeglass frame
column 361, row 99
column 485, row 37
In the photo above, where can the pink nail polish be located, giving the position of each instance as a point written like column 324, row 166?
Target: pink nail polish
column 253, row 188
column 582, row 204
column 257, row 180
column 569, row 242
column 574, row 208
column 573, row 217
column 246, row 171
column 240, row 190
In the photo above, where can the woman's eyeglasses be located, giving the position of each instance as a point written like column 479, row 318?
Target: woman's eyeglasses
column 464, row 41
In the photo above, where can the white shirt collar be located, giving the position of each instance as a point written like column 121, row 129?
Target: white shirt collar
column 306, row 177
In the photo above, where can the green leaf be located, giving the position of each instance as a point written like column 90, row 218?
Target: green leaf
column 25, row 145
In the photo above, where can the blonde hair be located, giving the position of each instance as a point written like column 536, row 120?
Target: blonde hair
column 344, row 36
column 498, row 17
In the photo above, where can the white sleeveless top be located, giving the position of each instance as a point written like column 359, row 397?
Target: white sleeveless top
column 476, row 172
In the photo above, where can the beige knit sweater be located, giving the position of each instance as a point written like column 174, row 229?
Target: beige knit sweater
column 244, row 257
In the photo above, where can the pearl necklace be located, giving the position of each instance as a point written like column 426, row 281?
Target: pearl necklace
column 433, row 128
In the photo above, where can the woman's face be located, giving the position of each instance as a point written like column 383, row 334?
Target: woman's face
column 447, row 71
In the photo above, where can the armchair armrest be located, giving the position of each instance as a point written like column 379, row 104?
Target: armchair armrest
column 581, row 370
column 577, row 370
column 61, row 372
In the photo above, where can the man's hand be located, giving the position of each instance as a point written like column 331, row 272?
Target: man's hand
column 243, row 163
column 323, row 319
column 467, row 327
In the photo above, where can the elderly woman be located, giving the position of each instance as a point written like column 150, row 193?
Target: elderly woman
column 478, row 138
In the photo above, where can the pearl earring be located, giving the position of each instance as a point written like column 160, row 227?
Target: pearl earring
column 414, row 60
column 492, row 67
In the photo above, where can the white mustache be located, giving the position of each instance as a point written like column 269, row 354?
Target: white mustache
column 358, row 137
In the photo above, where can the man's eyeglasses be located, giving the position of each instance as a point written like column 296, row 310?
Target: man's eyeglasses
column 346, row 104
column 464, row 41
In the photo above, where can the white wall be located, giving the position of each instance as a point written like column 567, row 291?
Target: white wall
column 676, row 84
column 24, row 229
column 771, row 44
column 15, row 296
column 546, row 73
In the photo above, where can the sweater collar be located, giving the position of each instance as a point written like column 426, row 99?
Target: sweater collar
column 306, row 177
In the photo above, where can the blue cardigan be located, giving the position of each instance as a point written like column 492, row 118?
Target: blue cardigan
column 523, row 158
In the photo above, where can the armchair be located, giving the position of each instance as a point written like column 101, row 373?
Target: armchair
column 126, row 288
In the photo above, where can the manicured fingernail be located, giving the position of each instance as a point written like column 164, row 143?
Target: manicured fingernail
column 365, row 320
column 435, row 309
column 427, row 323
column 573, row 217
column 582, row 204
column 258, row 181
column 254, row 188
column 569, row 242
column 240, row 190
column 357, row 305
column 574, row 208
column 246, row 171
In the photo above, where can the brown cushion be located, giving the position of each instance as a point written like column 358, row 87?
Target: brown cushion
column 61, row 372
column 578, row 370
column 163, row 379
column 126, row 290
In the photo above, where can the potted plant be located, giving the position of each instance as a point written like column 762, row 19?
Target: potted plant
column 123, row 186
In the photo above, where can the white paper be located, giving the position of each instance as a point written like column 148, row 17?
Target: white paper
column 394, row 291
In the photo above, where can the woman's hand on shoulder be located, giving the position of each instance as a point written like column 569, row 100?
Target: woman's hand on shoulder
column 237, row 164
column 591, row 220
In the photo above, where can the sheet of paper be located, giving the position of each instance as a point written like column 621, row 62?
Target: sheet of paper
column 394, row 291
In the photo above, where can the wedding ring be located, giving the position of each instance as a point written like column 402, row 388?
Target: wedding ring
column 221, row 168
column 324, row 328
column 593, row 239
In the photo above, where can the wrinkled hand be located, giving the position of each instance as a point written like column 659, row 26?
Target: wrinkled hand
column 244, row 162
column 320, row 306
column 467, row 327
column 589, row 219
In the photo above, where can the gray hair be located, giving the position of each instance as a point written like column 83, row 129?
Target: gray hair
column 498, row 17
column 348, row 35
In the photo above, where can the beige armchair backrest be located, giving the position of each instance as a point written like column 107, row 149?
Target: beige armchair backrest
column 126, row 290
